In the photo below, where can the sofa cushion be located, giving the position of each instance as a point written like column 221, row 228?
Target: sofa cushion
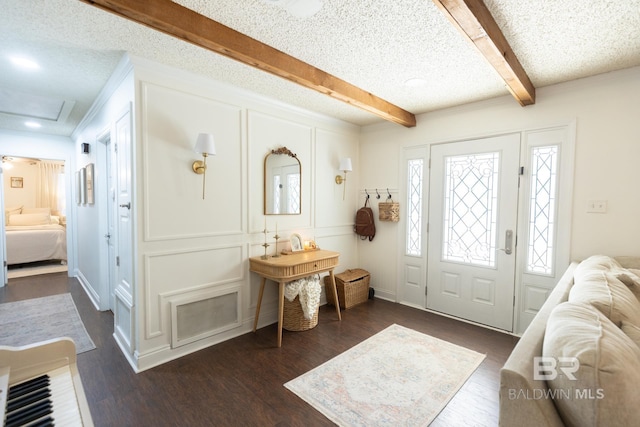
column 631, row 331
column 605, row 371
column 596, row 263
column 608, row 294
column 611, row 265
column 631, row 278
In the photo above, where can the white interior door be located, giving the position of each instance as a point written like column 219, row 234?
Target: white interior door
column 473, row 201
column 124, row 199
column 112, row 234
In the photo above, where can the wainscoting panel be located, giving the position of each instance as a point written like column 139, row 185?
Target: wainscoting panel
column 172, row 274
column 175, row 207
column 198, row 315
column 123, row 320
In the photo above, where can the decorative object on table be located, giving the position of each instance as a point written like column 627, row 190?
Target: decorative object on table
column 398, row 377
column 365, row 226
column 301, row 302
column 389, row 210
column 276, row 237
column 296, row 243
column 352, row 287
column 265, row 245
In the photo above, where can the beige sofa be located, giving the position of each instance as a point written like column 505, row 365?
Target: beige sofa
column 578, row 362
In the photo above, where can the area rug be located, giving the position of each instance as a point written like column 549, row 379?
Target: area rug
column 38, row 319
column 398, row 377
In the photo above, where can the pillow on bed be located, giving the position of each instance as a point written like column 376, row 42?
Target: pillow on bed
column 30, row 219
column 11, row 211
column 36, row 210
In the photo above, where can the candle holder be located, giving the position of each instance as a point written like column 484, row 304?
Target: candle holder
column 265, row 244
column 277, row 254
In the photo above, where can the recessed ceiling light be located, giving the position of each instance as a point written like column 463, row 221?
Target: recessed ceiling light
column 24, row 63
column 303, row 8
column 34, row 125
column 415, row 82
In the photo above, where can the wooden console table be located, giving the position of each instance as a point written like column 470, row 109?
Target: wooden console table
column 287, row 268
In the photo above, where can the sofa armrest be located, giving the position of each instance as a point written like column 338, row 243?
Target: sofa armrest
column 523, row 400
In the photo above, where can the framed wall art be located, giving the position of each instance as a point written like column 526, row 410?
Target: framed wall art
column 17, row 182
column 89, row 183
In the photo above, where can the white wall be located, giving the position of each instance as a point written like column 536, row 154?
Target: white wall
column 115, row 98
column 606, row 158
column 25, row 196
column 188, row 247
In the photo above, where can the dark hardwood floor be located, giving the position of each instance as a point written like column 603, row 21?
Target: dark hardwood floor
column 240, row 382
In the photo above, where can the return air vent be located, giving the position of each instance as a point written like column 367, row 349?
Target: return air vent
column 203, row 315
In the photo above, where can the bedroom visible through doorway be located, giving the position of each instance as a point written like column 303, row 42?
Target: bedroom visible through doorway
column 34, row 200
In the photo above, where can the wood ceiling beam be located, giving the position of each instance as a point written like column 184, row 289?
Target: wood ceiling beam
column 474, row 21
column 185, row 24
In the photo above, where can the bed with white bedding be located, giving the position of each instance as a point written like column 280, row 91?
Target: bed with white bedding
column 33, row 237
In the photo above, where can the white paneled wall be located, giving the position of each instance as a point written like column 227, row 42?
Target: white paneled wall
column 188, row 247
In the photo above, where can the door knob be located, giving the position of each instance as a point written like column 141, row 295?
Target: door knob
column 126, row 205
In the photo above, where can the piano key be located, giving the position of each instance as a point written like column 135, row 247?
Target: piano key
column 26, row 415
column 18, row 390
column 28, row 399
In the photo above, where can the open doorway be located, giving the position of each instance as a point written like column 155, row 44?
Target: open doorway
column 35, row 212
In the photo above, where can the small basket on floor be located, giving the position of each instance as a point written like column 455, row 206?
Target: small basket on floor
column 293, row 318
column 352, row 287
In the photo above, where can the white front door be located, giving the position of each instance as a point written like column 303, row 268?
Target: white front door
column 473, row 201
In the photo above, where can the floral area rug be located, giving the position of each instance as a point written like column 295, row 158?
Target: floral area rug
column 398, row 377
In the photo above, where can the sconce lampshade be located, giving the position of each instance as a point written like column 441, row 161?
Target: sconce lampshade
column 345, row 164
column 205, row 144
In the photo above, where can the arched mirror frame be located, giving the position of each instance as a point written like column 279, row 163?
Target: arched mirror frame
column 279, row 152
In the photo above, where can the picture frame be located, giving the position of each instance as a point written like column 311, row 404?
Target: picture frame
column 78, row 188
column 89, row 183
column 17, row 182
column 296, row 243
column 83, row 186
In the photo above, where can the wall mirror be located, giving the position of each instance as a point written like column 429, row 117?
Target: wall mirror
column 282, row 183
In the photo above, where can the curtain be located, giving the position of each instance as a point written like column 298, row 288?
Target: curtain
column 48, row 194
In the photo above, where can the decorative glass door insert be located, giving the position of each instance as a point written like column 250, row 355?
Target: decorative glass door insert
column 470, row 209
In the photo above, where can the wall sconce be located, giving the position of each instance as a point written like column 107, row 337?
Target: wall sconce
column 345, row 166
column 206, row 146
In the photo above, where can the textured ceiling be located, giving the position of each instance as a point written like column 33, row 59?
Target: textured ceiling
column 373, row 44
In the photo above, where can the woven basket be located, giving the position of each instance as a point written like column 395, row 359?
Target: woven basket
column 389, row 211
column 293, row 317
column 352, row 287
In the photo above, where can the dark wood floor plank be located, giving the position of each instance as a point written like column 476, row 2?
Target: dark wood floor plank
column 240, row 381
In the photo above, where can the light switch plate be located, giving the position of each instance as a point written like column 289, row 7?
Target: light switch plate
column 597, row 206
